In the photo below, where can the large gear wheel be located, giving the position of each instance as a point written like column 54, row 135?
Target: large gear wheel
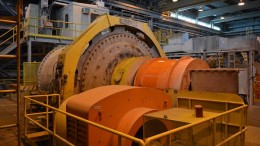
column 100, row 59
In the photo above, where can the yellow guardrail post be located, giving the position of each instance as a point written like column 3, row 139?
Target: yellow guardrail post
column 119, row 140
column 214, row 131
column 34, row 25
column 13, row 35
column 169, row 140
column 28, row 26
column 54, row 128
column 25, row 111
column 47, row 112
column 75, row 27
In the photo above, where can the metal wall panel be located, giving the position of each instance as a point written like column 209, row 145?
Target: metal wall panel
column 214, row 80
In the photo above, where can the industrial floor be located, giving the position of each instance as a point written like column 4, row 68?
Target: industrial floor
column 253, row 132
column 8, row 136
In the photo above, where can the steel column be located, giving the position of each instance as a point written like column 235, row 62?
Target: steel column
column 29, row 51
column 251, row 79
column 19, row 14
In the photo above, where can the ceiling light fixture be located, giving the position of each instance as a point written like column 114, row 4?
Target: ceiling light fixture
column 222, row 17
column 201, row 9
column 174, row 0
column 241, row 3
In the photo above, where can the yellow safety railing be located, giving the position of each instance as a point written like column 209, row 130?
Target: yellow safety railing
column 32, row 27
column 213, row 122
column 53, row 110
column 191, row 100
column 39, row 27
column 9, row 37
column 220, row 118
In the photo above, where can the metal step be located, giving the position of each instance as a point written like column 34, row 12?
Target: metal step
column 37, row 136
column 11, row 47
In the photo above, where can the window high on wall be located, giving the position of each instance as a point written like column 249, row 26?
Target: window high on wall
column 67, row 21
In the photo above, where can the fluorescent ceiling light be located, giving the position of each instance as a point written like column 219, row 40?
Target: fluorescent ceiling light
column 200, row 9
column 174, row 0
column 241, row 3
column 222, row 17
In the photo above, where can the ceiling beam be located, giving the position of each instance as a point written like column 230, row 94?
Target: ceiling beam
column 237, row 17
column 10, row 10
column 8, row 19
column 240, row 32
column 158, row 16
column 229, row 9
column 185, row 4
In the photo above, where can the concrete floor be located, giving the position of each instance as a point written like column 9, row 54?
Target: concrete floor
column 8, row 136
column 253, row 136
column 253, row 132
column 7, row 112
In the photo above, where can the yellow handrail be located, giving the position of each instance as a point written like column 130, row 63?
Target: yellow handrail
column 120, row 134
column 62, row 33
column 210, row 100
column 13, row 32
column 8, row 31
column 26, row 26
column 167, row 133
column 7, row 40
column 141, row 142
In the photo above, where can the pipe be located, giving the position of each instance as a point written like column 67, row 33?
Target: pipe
column 59, row 3
column 8, row 126
column 7, row 56
column 7, row 91
column 8, row 21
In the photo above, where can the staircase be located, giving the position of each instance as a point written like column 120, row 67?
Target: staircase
column 9, row 42
column 11, row 47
